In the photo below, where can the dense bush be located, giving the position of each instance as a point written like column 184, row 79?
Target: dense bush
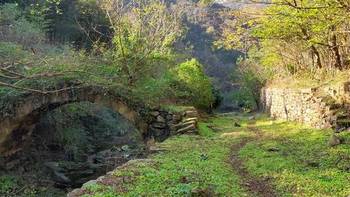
column 251, row 78
column 199, row 91
column 15, row 27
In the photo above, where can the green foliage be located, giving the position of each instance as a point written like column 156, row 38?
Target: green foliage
column 154, row 91
column 245, row 99
column 144, row 34
column 11, row 53
column 204, row 130
column 17, row 28
column 304, row 164
column 191, row 163
column 200, row 90
column 251, row 78
column 292, row 38
column 7, row 185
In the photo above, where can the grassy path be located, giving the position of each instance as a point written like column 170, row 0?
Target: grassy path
column 258, row 158
column 256, row 186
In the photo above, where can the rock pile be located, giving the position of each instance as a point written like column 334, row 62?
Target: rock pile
column 164, row 123
column 188, row 123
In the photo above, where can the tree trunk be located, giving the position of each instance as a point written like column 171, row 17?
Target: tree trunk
column 335, row 48
column 318, row 56
column 313, row 48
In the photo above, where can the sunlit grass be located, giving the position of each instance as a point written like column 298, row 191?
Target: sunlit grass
column 189, row 163
column 301, row 163
column 295, row 156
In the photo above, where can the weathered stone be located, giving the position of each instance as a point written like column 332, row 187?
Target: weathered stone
column 155, row 113
column 169, row 117
column 236, row 124
column 313, row 164
column 190, row 119
column 177, row 117
column 334, row 141
column 191, row 114
column 89, row 183
column 125, row 148
column 157, row 132
column 12, row 164
column 161, row 119
column 251, row 118
column 273, row 149
column 317, row 108
column 188, row 129
column 159, row 125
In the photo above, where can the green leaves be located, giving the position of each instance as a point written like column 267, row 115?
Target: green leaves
column 303, row 35
column 192, row 75
column 144, row 34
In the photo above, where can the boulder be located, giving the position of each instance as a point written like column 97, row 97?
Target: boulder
column 334, row 141
column 159, row 125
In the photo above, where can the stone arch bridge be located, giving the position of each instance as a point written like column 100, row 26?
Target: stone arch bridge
column 19, row 113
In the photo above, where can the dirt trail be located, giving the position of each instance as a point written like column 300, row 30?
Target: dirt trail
column 255, row 185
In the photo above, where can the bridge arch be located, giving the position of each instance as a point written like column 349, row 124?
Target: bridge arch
column 24, row 111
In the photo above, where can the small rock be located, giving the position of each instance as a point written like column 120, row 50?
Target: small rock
column 184, row 179
column 169, row 117
column 157, row 132
column 203, row 192
column 160, row 119
column 53, row 166
column 237, row 125
column 125, row 148
column 155, row 113
column 273, row 149
column 87, row 184
column 334, row 141
column 339, row 129
column 159, row 125
column 251, row 118
column 312, row 164
column 61, row 178
column 204, row 157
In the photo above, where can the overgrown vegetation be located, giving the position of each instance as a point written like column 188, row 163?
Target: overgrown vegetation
column 190, row 165
column 138, row 53
column 298, row 40
column 296, row 159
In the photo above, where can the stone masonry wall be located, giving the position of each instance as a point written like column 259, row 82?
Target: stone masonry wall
column 317, row 107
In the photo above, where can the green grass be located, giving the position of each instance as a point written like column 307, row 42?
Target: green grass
column 301, row 163
column 189, row 163
column 304, row 164
column 308, row 79
column 202, row 162
column 175, row 108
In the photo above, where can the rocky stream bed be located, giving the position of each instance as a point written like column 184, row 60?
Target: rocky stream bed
column 70, row 145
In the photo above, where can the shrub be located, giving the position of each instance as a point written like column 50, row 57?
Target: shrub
column 15, row 27
column 251, row 78
column 191, row 76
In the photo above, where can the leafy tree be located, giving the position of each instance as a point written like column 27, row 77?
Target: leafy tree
column 200, row 89
column 144, row 32
column 15, row 27
column 302, row 34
